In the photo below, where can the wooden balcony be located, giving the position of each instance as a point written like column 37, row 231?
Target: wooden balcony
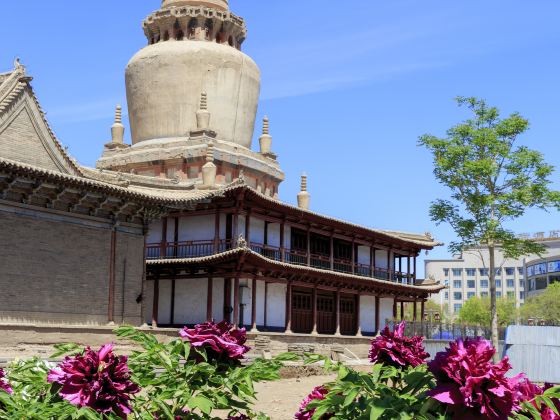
column 197, row 249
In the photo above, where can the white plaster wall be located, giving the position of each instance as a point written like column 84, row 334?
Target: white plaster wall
column 363, row 254
column 171, row 229
column 287, row 237
column 223, row 225
column 154, row 232
column 367, row 313
column 190, row 301
column 218, row 299
column 276, row 311
column 241, row 226
column 197, row 228
column 385, row 311
column 381, row 258
column 260, row 302
column 257, row 230
column 164, row 305
column 274, row 234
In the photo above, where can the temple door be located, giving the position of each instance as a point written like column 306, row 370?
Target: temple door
column 302, row 311
column 326, row 307
column 348, row 318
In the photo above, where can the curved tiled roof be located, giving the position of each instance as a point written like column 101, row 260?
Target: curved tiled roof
column 12, row 84
column 236, row 252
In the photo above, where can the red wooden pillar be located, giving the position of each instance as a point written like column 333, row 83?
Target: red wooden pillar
column 422, row 309
column 331, row 246
column 377, row 314
column 217, row 232
column 248, row 227
column 209, row 298
column 236, row 302
column 414, row 274
column 289, row 308
column 408, row 271
column 314, row 309
column 402, row 311
column 155, row 307
column 254, row 306
column 337, row 314
column 395, row 309
column 282, row 242
column 112, row 277
column 308, row 246
column 163, row 242
column 358, row 316
column 389, row 265
column 227, row 300
column 415, row 309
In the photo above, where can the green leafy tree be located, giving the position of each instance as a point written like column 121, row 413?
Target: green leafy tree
column 476, row 311
column 493, row 182
column 544, row 306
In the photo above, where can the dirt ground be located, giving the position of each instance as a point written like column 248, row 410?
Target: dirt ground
column 280, row 400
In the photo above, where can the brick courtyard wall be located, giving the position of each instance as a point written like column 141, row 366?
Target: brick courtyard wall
column 54, row 268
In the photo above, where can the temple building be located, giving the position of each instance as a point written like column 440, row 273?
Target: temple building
column 185, row 224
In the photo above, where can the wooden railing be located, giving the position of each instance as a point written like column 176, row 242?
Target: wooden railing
column 195, row 249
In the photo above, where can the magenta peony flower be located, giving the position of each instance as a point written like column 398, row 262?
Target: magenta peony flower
column 239, row 417
column 527, row 391
column 221, row 341
column 4, row 385
column 396, row 349
column 470, row 384
column 317, row 394
column 98, row 380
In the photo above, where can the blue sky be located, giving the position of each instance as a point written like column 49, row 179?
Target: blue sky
column 349, row 87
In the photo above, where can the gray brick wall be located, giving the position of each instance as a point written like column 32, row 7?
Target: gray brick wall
column 55, row 269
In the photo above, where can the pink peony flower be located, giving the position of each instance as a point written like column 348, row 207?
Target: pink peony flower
column 317, row 394
column 4, row 385
column 98, row 380
column 396, row 349
column 527, row 391
column 470, row 384
column 221, row 341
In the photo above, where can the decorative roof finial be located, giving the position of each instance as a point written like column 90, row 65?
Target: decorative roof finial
column 265, row 139
column 202, row 115
column 266, row 126
column 209, row 170
column 117, row 129
column 303, row 196
column 210, row 152
column 204, row 101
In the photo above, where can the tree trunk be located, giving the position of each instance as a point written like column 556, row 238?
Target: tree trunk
column 493, row 303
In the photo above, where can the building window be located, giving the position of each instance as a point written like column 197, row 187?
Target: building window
column 510, row 271
column 541, row 283
column 510, row 295
column 511, row 283
column 498, row 284
column 446, row 282
column 521, row 295
column 457, row 272
column 457, row 296
column 498, row 294
column 471, row 272
column 471, row 284
column 446, row 296
column 470, row 295
column 484, row 284
column 498, row 271
column 446, row 272
column 483, row 271
column 531, row 285
column 521, row 270
column 484, row 294
column 554, row 266
column 457, row 307
column 457, row 284
column 522, row 284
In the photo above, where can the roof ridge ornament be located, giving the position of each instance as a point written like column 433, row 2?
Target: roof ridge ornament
column 303, row 196
column 203, row 115
column 209, row 170
column 265, row 140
